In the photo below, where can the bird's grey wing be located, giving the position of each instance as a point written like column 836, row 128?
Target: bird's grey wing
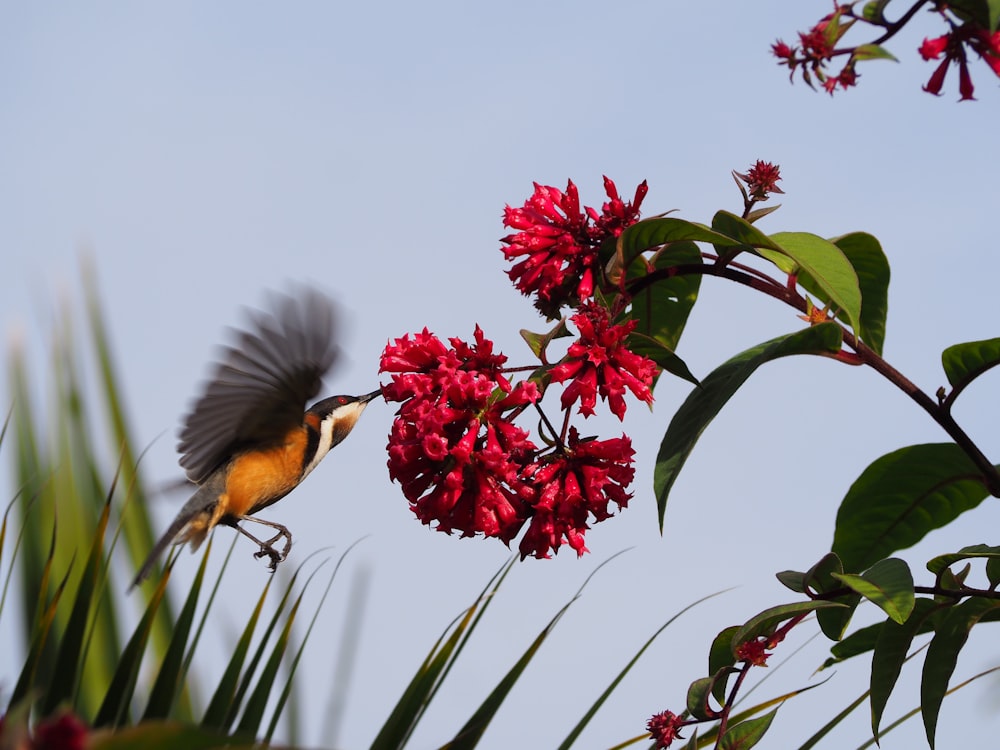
column 262, row 381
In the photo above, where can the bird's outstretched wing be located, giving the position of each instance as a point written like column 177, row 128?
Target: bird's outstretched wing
column 262, row 381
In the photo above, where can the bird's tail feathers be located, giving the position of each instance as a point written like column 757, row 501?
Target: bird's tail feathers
column 199, row 503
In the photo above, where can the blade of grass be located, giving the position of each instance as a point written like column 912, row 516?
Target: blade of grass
column 114, row 708
column 247, row 680
column 470, row 734
column 424, row 685
column 913, row 712
column 223, row 703
column 578, row 729
column 68, row 659
column 27, row 678
column 286, row 691
column 170, row 678
column 253, row 714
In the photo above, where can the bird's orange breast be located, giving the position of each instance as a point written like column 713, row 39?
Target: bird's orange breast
column 258, row 478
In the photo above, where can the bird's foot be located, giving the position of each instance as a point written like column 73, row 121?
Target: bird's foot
column 267, row 549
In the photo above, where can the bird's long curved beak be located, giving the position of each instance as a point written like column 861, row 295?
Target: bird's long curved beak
column 369, row 396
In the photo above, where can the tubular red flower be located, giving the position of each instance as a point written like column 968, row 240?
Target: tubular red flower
column 965, row 87
column 451, row 447
column 599, row 362
column 931, row 49
column 936, row 81
column 558, row 242
column 573, row 485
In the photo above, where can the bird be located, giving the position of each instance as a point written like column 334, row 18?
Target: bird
column 249, row 439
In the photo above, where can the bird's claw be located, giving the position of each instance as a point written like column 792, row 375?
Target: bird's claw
column 267, row 549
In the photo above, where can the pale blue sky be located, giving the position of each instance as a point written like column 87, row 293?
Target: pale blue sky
column 203, row 152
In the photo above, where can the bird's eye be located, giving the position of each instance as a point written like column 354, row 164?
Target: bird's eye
column 342, row 400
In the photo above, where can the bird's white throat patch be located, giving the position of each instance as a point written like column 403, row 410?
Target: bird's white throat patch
column 334, row 428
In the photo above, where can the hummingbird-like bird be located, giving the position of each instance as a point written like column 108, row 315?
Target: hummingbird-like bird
column 249, row 439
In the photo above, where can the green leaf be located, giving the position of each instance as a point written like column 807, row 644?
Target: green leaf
column 872, row 10
column 939, row 563
column 765, row 623
column 887, row 584
column 902, row 496
column 872, row 52
column 985, row 13
column 746, row 734
column 665, row 358
column 652, row 233
column 539, row 342
column 859, row 642
column 700, row 408
column 661, row 309
column 942, row 656
column 792, row 579
column 993, row 571
column 965, row 362
column 889, row 653
column 697, row 699
column 828, row 267
column 721, row 656
column 747, row 236
column 865, row 254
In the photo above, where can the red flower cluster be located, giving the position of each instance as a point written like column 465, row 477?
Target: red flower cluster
column 62, row 732
column 570, row 485
column 599, row 362
column 450, row 448
column 665, row 728
column 465, row 466
column 762, row 179
column 558, row 242
column 818, row 47
column 952, row 45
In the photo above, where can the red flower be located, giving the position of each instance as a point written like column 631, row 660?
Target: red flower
column 816, row 44
column 762, row 179
column 987, row 46
column 754, row 652
column 600, row 362
column 952, row 45
column 65, row 732
column 782, row 51
column 451, row 447
column 559, row 242
column 931, row 49
column 572, row 485
column 664, row 728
